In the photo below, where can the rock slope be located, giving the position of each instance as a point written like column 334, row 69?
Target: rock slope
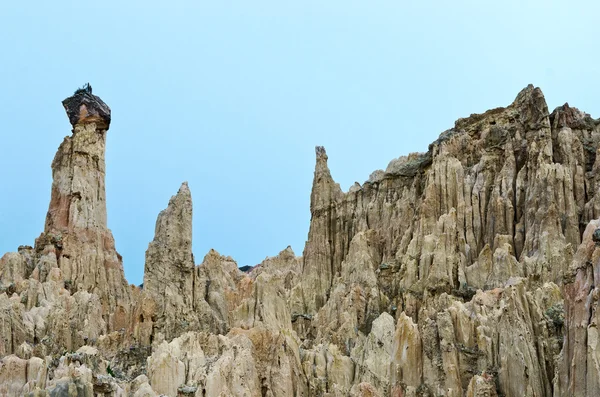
column 467, row 270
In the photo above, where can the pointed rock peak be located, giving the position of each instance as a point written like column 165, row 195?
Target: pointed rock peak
column 288, row 252
column 83, row 107
column 214, row 261
column 320, row 151
column 183, row 195
column 528, row 95
column 169, row 258
column 571, row 117
column 213, row 255
column 324, row 188
column 184, row 189
column 321, row 164
column 525, row 92
column 532, row 105
column 174, row 224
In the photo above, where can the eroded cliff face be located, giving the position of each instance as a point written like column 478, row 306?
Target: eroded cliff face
column 467, row 270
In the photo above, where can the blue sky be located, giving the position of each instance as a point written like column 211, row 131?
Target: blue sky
column 233, row 96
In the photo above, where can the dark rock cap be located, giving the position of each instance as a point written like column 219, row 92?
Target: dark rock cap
column 84, row 107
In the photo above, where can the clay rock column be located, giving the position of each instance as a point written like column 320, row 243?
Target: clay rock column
column 319, row 253
column 169, row 269
column 76, row 228
column 78, row 170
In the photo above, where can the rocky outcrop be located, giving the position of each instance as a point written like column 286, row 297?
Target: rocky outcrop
column 76, row 230
column 81, row 373
column 169, row 270
column 70, row 288
column 467, row 270
column 254, row 362
column 320, row 257
column 579, row 373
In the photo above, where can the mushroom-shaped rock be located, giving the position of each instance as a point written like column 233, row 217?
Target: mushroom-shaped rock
column 84, row 107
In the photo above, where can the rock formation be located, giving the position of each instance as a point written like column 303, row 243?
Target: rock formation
column 467, row 270
column 168, row 275
column 70, row 289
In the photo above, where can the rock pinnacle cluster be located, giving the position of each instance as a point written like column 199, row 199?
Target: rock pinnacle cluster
column 472, row 269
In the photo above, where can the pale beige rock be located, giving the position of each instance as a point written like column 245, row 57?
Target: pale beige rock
column 76, row 224
column 241, row 363
column 373, row 357
column 166, row 372
column 481, row 386
column 141, row 388
column 71, row 288
column 462, row 271
column 270, row 284
column 215, row 291
column 355, row 302
column 406, row 361
column 13, row 376
column 321, row 245
column 169, row 269
column 328, row 369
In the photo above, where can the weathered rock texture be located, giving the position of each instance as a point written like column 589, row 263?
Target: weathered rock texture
column 468, row 270
column 70, row 289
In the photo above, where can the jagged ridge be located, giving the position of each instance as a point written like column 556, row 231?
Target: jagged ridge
column 466, row 270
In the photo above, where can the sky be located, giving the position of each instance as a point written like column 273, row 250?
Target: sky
column 233, row 96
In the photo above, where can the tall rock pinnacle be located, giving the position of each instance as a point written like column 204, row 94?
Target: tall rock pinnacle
column 168, row 274
column 78, row 170
column 320, row 249
column 76, row 227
